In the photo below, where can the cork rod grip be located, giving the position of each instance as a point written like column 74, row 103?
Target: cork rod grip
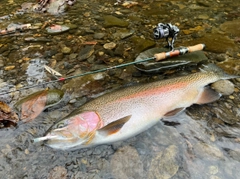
column 196, row 48
column 164, row 55
column 160, row 56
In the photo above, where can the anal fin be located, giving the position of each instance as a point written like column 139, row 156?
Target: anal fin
column 208, row 95
column 114, row 127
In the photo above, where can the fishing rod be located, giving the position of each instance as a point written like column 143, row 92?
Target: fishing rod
column 157, row 57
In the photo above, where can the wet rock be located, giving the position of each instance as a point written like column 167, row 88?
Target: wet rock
column 203, row 16
column 56, row 7
column 1, row 63
column 7, row 68
column 234, row 154
column 59, row 56
column 213, row 170
column 73, row 56
column 215, row 42
column 36, row 39
column 85, row 52
column 85, row 85
column 99, row 35
column 231, row 66
column 122, row 34
column 165, row 165
column 231, row 27
column 35, row 71
column 204, row 150
column 153, row 66
column 225, row 87
column 109, row 46
column 126, row 163
column 142, row 44
column 57, row 29
column 58, row 172
column 227, row 112
column 7, row 116
column 66, row 50
column 111, row 21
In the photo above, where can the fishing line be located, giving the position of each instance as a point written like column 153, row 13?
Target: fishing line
column 79, row 75
column 157, row 57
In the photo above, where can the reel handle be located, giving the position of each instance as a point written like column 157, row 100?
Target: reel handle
column 181, row 51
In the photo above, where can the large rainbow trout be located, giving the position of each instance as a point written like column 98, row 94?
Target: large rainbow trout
column 132, row 110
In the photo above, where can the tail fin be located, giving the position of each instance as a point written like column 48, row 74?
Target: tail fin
column 212, row 68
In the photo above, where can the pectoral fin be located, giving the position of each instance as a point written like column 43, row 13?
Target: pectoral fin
column 208, row 95
column 114, row 127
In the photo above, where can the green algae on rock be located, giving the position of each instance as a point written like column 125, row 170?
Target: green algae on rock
column 215, row 42
column 111, row 21
column 142, row 44
column 231, row 27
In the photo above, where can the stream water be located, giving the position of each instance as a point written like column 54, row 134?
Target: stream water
column 203, row 142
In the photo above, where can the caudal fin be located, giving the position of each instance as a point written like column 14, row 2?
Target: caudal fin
column 212, row 68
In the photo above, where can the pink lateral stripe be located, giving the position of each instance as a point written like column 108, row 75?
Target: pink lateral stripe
column 160, row 89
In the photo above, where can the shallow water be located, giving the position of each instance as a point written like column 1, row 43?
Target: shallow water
column 200, row 143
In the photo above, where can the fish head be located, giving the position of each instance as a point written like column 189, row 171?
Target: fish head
column 73, row 131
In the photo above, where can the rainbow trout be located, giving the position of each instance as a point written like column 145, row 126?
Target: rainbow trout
column 127, row 112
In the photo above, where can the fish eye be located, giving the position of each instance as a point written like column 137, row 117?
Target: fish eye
column 60, row 125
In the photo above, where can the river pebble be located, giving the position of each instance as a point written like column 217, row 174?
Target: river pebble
column 7, row 68
column 66, row 50
column 225, row 87
column 110, row 45
column 99, row 35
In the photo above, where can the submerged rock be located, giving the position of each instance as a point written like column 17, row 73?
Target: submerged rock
column 85, row 85
column 111, row 21
column 204, row 150
column 165, row 165
column 231, row 66
column 231, row 27
column 85, row 52
column 126, row 163
column 215, row 42
column 142, row 44
column 227, row 112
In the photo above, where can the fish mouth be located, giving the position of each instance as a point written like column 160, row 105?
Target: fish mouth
column 56, row 135
column 47, row 137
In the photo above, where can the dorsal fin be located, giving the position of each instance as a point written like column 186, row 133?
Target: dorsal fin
column 114, row 127
column 174, row 112
column 208, row 95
